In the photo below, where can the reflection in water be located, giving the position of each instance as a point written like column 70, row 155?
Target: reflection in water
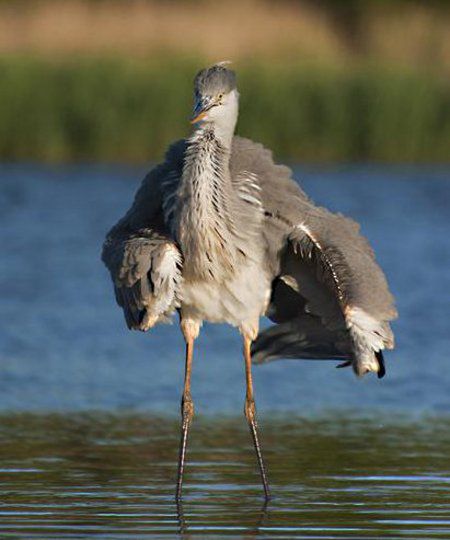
column 180, row 515
column 114, row 476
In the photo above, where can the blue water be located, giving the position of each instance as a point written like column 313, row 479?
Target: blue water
column 64, row 344
column 89, row 411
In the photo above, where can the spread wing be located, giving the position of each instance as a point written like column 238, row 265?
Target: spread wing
column 330, row 298
column 143, row 260
column 338, row 303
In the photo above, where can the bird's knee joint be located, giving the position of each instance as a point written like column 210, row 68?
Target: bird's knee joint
column 187, row 408
column 250, row 411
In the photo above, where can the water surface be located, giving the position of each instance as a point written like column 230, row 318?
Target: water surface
column 64, row 344
column 83, row 476
column 346, row 458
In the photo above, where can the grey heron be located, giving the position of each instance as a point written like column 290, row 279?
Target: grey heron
column 219, row 232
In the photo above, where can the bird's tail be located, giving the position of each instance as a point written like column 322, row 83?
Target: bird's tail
column 300, row 338
column 306, row 338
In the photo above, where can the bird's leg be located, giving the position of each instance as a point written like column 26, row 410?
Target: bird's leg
column 250, row 413
column 187, row 413
column 190, row 332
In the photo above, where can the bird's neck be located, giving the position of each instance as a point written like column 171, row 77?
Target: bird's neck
column 206, row 171
column 205, row 205
column 222, row 131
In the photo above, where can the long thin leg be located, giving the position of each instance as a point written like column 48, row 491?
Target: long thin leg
column 250, row 413
column 187, row 413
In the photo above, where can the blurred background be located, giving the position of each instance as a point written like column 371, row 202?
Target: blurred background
column 321, row 80
column 354, row 95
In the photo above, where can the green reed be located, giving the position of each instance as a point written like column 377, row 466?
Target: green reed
column 123, row 110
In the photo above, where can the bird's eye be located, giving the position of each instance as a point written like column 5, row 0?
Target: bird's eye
column 220, row 96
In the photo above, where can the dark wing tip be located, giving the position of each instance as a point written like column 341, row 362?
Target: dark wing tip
column 344, row 364
column 380, row 358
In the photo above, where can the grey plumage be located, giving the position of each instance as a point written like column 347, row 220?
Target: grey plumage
column 327, row 277
column 215, row 79
column 221, row 233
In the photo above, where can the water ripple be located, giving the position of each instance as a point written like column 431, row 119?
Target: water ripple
column 60, row 483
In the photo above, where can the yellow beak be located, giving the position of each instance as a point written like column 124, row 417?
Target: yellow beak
column 199, row 117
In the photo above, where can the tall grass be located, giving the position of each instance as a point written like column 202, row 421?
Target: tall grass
column 118, row 110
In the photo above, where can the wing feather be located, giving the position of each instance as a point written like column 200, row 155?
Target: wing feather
column 339, row 285
column 330, row 267
column 141, row 255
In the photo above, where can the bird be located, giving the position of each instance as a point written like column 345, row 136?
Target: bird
column 219, row 232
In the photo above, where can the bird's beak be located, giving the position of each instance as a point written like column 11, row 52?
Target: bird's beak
column 201, row 107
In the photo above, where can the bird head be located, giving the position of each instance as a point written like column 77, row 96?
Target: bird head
column 215, row 95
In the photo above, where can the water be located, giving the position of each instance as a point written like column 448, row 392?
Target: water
column 83, row 476
column 88, row 410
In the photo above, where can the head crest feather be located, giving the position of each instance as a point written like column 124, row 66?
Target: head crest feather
column 224, row 63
